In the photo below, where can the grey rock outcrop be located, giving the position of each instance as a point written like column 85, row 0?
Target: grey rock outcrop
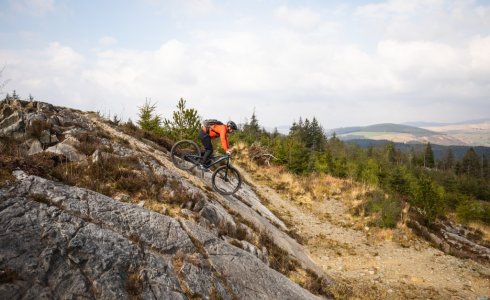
column 35, row 147
column 66, row 150
column 12, row 123
column 59, row 241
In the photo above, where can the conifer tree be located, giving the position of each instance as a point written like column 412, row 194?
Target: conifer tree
column 428, row 196
column 148, row 120
column 317, row 135
column 251, row 130
column 391, row 155
column 428, row 156
column 298, row 156
column 470, row 164
column 449, row 160
column 185, row 123
column 280, row 149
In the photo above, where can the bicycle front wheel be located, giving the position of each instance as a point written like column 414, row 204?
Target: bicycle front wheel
column 226, row 180
column 185, row 154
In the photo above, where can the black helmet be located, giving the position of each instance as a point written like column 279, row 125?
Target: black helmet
column 232, row 125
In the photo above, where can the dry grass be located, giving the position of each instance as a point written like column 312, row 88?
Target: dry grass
column 37, row 127
column 134, row 285
column 164, row 144
column 13, row 157
column 157, row 206
column 278, row 258
column 178, row 262
column 303, row 190
column 308, row 191
column 89, row 142
column 483, row 228
column 6, row 177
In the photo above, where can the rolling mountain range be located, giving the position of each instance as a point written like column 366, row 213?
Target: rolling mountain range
column 470, row 133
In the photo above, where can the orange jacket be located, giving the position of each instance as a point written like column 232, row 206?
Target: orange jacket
column 219, row 131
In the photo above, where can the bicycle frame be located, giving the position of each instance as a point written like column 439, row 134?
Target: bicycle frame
column 196, row 160
column 220, row 159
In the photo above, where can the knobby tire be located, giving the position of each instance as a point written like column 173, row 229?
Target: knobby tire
column 180, row 150
column 234, row 180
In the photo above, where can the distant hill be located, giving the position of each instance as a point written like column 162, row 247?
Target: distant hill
column 385, row 127
column 396, row 133
column 474, row 132
column 425, row 124
column 440, row 151
column 438, row 124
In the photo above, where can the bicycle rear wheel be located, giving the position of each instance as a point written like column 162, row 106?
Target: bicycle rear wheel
column 185, row 154
column 226, row 180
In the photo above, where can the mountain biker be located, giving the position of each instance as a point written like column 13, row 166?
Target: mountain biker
column 211, row 132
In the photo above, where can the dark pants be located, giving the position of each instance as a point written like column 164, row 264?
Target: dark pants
column 208, row 146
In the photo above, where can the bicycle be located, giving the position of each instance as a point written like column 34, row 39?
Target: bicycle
column 226, row 180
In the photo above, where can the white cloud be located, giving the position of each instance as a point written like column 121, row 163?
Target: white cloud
column 193, row 8
column 200, row 7
column 303, row 18
column 396, row 7
column 107, row 41
column 33, row 7
column 283, row 73
column 479, row 49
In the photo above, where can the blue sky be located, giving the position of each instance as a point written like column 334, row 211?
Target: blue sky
column 345, row 62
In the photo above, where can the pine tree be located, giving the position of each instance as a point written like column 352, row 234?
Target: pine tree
column 317, row 135
column 298, row 156
column 470, row 164
column 280, row 149
column 254, row 124
column 148, row 120
column 449, row 160
column 185, row 123
column 390, row 152
column 428, row 156
column 251, row 131
column 310, row 133
column 428, row 196
column 15, row 96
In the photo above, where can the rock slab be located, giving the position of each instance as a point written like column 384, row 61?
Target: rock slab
column 58, row 241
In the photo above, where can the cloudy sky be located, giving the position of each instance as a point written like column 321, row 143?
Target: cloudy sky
column 344, row 62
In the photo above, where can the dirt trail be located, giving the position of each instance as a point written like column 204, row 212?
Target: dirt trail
column 377, row 267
